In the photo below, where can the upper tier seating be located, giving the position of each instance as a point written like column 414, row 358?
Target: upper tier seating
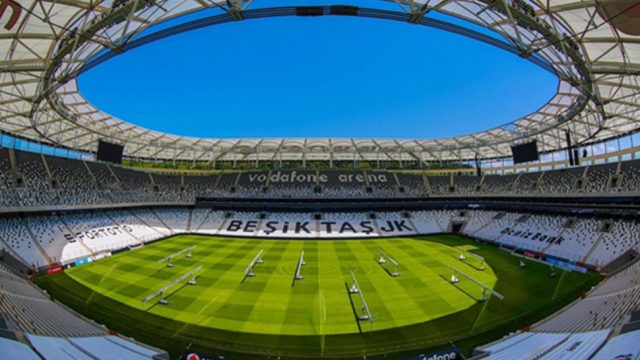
column 498, row 184
column 7, row 195
column 599, row 178
column 412, row 184
column 630, row 171
column 43, row 180
column 560, row 181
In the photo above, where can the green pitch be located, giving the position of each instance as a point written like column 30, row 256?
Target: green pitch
column 273, row 313
column 271, row 302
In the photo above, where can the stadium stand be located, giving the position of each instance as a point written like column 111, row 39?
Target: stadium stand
column 498, row 184
column 623, row 346
column 527, row 182
column 411, row 184
column 45, row 239
column 441, row 185
column 465, row 185
column 345, row 184
column 293, row 184
column 33, row 180
column 73, row 182
column 199, row 185
column 50, row 181
column 599, row 178
column 98, row 346
column 95, row 347
column 606, row 306
column 630, row 173
column 547, row 346
column 19, row 242
column 48, row 239
column 25, row 308
column 7, row 195
column 561, row 181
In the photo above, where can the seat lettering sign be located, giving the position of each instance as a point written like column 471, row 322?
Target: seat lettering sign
column 16, row 10
column 329, row 228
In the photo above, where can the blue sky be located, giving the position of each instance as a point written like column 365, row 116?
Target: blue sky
column 318, row 77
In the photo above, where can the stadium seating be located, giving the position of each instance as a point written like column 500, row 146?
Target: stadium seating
column 561, row 181
column 412, row 184
column 440, row 185
column 45, row 180
column 7, row 195
column 498, row 184
column 547, row 346
column 28, row 309
column 466, row 185
column 93, row 347
column 86, row 226
column 14, row 234
column 599, row 178
column 63, row 238
column 623, row 346
column 73, row 182
column 606, row 306
column 630, row 172
column 199, row 185
column 527, row 183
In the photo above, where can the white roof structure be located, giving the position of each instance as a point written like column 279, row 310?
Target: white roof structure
column 593, row 46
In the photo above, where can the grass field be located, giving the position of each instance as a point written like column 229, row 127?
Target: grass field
column 315, row 316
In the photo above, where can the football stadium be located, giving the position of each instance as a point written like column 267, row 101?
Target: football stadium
column 122, row 238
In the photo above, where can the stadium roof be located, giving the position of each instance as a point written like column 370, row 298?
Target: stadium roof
column 593, row 46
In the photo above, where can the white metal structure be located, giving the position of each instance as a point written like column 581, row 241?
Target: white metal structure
column 592, row 46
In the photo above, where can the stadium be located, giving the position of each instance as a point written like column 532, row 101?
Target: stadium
column 518, row 241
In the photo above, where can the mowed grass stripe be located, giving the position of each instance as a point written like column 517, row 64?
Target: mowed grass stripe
column 189, row 302
column 211, row 257
column 425, row 267
column 230, row 310
column 332, row 294
column 365, row 270
column 269, row 310
column 422, row 275
column 411, row 308
column 445, row 255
